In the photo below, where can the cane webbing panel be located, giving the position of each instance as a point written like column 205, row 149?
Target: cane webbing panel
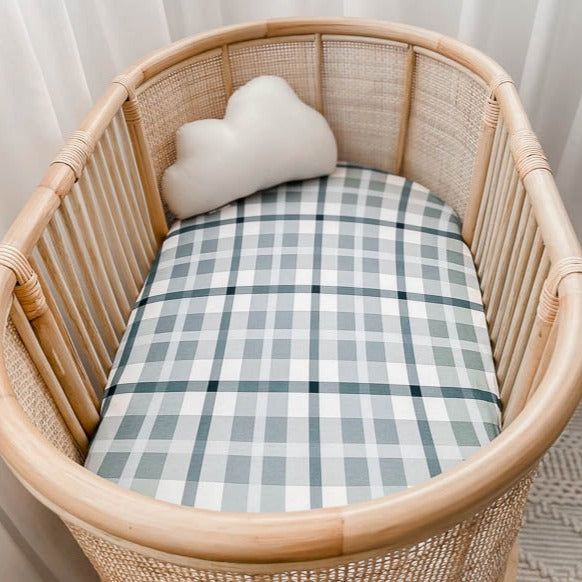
column 363, row 85
column 34, row 396
column 446, row 120
column 474, row 550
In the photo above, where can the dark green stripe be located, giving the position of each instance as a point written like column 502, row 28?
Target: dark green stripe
column 354, row 166
column 319, row 217
column 323, row 289
column 284, row 386
column 316, row 498
column 197, row 458
column 430, row 453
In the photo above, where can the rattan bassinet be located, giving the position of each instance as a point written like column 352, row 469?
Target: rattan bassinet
column 72, row 264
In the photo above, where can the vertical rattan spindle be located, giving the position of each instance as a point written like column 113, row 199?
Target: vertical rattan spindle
column 144, row 161
column 482, row 161
column 405, row 113
column 31, row 297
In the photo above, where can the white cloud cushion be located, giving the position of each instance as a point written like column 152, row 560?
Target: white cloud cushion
column 268, row 136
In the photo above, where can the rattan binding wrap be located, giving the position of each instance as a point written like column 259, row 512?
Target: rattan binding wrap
column 528, row 153
column 491, row 113
column 28, row 289
column 76, row 152
column 549, row 298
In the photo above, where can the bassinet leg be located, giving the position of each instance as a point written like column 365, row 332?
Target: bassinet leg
column 510, row 572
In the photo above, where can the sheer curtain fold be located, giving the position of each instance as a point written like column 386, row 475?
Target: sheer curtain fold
column 30, row 130
column 57, row 56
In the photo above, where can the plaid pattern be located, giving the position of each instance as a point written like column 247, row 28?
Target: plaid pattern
column 315, row 344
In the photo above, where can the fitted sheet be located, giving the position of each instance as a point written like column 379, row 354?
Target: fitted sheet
column 316, row 344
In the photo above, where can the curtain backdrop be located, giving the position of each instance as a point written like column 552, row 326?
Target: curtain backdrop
column 57, row 56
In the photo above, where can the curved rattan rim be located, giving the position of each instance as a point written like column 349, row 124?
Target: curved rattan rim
column 397, row 520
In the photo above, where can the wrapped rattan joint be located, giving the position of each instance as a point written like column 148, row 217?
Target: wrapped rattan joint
column 135, row 126
column 497, row 81
column 528, row 153
column 130, row 107
column 491, row 113
column 549, row 298
column 76, row 152
column 28, row 289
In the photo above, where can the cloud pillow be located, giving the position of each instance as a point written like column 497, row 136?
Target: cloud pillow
column 268, row 136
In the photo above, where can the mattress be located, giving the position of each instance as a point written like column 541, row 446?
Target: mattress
column 316, row 344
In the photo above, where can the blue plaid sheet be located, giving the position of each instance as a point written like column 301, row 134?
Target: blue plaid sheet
column 313, row 345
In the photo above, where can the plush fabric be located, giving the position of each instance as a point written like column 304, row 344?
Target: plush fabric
column 268, row 136
column 313, row 345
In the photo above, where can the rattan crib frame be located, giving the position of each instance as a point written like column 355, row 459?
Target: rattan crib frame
column 399, row 98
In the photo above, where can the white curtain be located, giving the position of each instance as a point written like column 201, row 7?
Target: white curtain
column 57, row 56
